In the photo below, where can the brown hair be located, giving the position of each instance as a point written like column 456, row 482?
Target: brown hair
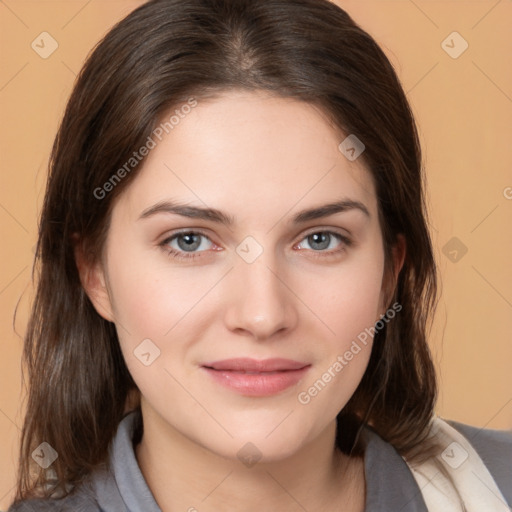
column 158, row 56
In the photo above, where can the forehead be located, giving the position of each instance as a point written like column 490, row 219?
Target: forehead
column 251, row 151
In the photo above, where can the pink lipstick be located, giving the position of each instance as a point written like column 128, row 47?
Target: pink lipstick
column 252, row 377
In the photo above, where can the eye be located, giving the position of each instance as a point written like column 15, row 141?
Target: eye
column 321, row 240
column 187, row 243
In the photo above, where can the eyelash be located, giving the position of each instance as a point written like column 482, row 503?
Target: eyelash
column 346, row 242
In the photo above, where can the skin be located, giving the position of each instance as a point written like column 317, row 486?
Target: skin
column 260, row 159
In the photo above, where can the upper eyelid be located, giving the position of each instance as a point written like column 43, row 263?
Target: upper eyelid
column 335, row 231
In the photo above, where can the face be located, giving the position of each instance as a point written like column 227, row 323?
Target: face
column 249, row 330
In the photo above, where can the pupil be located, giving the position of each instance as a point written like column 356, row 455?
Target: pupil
column 320, row 238
column 189, row 243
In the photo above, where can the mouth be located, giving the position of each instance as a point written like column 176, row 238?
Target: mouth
column 251, row 377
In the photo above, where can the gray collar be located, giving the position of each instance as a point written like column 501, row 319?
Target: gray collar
column 390, row 486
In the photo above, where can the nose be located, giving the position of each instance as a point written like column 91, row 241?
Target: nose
column 261, row 303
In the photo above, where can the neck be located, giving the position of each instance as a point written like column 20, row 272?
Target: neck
column 185, row 476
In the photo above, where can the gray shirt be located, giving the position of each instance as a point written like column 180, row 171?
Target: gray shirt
column 390, row 485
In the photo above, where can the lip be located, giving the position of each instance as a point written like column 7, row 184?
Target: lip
column 252, row 377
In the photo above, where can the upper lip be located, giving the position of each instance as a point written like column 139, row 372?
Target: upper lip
column 255, row 365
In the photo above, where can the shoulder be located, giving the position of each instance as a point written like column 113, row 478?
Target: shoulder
column 81, row 498
column 495, row 449
column 100, row 490
column 391, row 485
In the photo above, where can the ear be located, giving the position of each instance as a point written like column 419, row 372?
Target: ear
column 389, row 283
column 93, row 280
column 399, row 250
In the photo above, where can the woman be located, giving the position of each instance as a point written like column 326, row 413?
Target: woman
column 236, row 279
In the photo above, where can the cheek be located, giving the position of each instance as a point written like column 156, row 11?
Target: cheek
column 348, row 303
column 350, row 310
column 152, row 295
column 348, row 298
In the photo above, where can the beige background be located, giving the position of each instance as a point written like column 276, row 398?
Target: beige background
column 464, row 111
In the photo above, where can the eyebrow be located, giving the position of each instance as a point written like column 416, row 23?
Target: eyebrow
column 214, row 215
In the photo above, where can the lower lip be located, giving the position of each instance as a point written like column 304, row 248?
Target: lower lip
column 261, row 384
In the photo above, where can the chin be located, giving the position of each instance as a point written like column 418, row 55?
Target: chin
column 269, row 441
column 259, row 451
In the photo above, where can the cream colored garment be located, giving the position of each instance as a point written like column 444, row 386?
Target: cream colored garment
column 472, row 479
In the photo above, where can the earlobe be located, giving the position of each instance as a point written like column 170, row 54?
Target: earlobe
column 94, row 283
